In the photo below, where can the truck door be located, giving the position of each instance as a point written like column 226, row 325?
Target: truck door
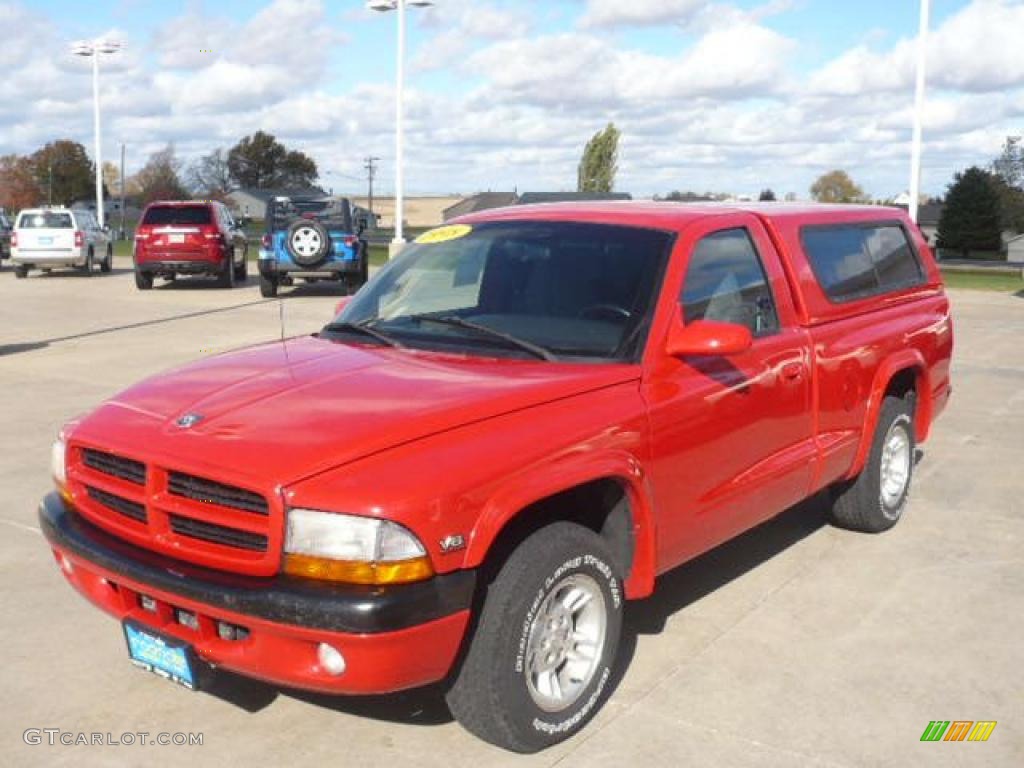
column 732, row 437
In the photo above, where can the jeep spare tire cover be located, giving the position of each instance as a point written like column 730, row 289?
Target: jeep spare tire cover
column 308, row 242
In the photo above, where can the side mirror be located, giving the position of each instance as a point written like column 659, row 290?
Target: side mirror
column 341, row 305
column 708, row 338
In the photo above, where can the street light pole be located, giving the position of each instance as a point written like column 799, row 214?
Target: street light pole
column 94, row 49
column 399, row 5
column 915, row 148
column 96, row 131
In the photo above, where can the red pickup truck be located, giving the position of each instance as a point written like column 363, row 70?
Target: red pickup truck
column 511, row 430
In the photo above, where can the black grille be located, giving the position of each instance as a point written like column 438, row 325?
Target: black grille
column 209, row 492
column 218, row 534
column 125, row 507
column 117, row 466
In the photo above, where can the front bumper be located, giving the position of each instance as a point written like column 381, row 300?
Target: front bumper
column 391, row 638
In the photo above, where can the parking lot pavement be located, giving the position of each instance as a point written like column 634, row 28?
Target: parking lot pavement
column 795, row 645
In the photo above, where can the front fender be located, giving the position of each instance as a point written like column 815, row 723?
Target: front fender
column 563, row 473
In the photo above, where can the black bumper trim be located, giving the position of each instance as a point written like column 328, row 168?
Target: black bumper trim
column 346, row 268
column 184, row 266
column 348, row 608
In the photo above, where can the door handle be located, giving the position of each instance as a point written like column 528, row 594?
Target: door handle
column 792, row 371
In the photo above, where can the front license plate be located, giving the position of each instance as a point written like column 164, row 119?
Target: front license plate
column 164, row 656
column 175, row 238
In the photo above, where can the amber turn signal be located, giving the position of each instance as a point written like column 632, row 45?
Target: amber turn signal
column 358, row 572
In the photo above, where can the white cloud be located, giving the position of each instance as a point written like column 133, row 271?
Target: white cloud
column 525, row 87
column 612, row 13
column 978, row 49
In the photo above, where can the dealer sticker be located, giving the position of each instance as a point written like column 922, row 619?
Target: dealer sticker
column 444, row 234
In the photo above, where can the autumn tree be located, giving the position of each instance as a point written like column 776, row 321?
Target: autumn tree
column 1009, row 166
column 160, row 177
column 971, row 217
column 64, row 172
column 1008, row 173
column 600, row 161
column 210, row 176
column 112, row 178
column 837, row 187
column 19, row 187
column 260, row 161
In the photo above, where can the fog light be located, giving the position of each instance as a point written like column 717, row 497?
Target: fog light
column 187, row 619
column 147, row 603
column 331, row 659
column 227, row 631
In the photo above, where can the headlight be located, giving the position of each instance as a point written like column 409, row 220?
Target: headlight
column 58, row 463
column 358, row 550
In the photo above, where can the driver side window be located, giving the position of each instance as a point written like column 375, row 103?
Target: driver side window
column 726, row 282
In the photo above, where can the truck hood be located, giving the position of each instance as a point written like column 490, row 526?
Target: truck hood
column 282, row 412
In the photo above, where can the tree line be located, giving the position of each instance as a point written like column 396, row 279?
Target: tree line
column 61, row 173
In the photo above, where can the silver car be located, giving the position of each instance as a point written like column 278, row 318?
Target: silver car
column 45, row 238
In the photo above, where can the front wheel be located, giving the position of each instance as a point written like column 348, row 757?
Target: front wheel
column 540, row 663
column 875, row 500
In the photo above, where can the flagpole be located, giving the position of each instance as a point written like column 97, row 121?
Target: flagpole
column 915, row 149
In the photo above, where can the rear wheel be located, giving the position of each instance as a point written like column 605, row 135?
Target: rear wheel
column 875, row 500
column 242, row 270
column 268, row 287
column 540, row 662
column 143, row 280
column 227, row 273
column 108, row 263
column 20, row 271
column 88, row 263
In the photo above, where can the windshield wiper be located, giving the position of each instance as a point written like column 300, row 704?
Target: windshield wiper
column 459, row 322
column 365, row 330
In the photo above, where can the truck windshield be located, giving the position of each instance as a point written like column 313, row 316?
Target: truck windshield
column 565, row 288
column 177, row 215
column 46, row 220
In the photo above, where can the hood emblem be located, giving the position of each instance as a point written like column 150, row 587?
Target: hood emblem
column 189, row 420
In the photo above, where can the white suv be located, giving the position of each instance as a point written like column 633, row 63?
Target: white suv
column 59, row 237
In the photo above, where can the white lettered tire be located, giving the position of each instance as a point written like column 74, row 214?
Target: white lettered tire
column 541, row 661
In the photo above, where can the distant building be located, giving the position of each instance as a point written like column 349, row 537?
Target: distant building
column 532, row 198
column 928, row 215
column 1015, row 250
column 481, row 202
column 253, row 202
column 419, row 212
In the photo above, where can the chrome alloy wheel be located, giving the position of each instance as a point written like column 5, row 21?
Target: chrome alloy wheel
column 895, row 469
column 306, row 242
column 566, row 642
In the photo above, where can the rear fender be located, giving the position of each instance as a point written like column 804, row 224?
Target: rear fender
column 892, row 365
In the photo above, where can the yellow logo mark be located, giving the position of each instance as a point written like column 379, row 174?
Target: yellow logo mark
column 982, row 730
column 444, row 234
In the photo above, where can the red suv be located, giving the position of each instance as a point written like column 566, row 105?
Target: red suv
column 189, row 238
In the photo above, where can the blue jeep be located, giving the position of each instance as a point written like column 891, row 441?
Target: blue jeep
column 311, row 238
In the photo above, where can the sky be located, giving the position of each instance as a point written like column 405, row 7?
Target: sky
column 731, row 96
